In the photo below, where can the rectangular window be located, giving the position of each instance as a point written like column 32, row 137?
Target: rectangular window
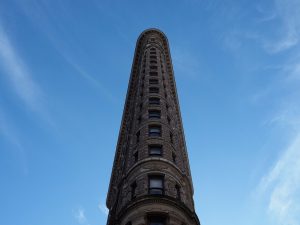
column 136, row 156
column 177, row 187
column 155, row 150
column 153, row 62
column 138, row 137
column 157, row 220
column 171, row 138
column 156, row 185
column 169, row 120
column 153, row 73
column 133, row 189
column 153, row 90
column 153, row 81
column 153, row 67
column 154, row 101
column 139, row 119
column 153, row 57
column 141, row 106
column 154, row 131
column 154, row 114
column 174, row 157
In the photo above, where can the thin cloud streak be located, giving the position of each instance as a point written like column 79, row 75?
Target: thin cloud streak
column 282, row 186
column 288, row 12
column 41, row 14
column 80, row 217
column 18, row 75
column 103, row 209
column 8, row 132
column 185, row 61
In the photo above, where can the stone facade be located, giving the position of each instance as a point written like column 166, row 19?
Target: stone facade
column 151, row 179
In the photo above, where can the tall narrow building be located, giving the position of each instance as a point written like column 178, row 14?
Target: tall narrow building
column 151, row 183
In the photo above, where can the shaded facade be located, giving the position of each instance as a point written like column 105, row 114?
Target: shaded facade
column 151, row 182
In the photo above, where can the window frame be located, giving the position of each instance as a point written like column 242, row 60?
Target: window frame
column 153, row 73
column 154, row 130
column 154, row 101
column 133, row 187
column 156, row 147
column 159, row 189
column 137, row 135
column 154, row 114
column 154, row 90
column 153, row 81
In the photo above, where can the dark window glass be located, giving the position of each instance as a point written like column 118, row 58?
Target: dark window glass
column 136, row 156
column 152, row 49
column 177, row 187
column 154, row 114
column 153, row 89
column 154, row 101
column 156, row 185
column 139, row 119
column 133, row 189
column 155, row 150
column 138, row 137
column 129, row 223
column 153, row 67
column 153, row 62
column 153, row 81
column 152, row 57
column 174, row 157
column 154, row 131
column 169, row 120
column 153, row 74
column 171, row 137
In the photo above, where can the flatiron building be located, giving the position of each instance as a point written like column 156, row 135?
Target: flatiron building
column 151, row 182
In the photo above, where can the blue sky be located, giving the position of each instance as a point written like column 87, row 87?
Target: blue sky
column 64, row 70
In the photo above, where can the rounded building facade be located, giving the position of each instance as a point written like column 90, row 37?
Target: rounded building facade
column 151, row 182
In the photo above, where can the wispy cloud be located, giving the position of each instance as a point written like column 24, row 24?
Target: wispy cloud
column 44, row 15
column 282, row 186
column 9, row 133
column 103, row 209
column 185, row 62
column 79, row 215
column 18, row 74
column 288, row 27
column 90, row 79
